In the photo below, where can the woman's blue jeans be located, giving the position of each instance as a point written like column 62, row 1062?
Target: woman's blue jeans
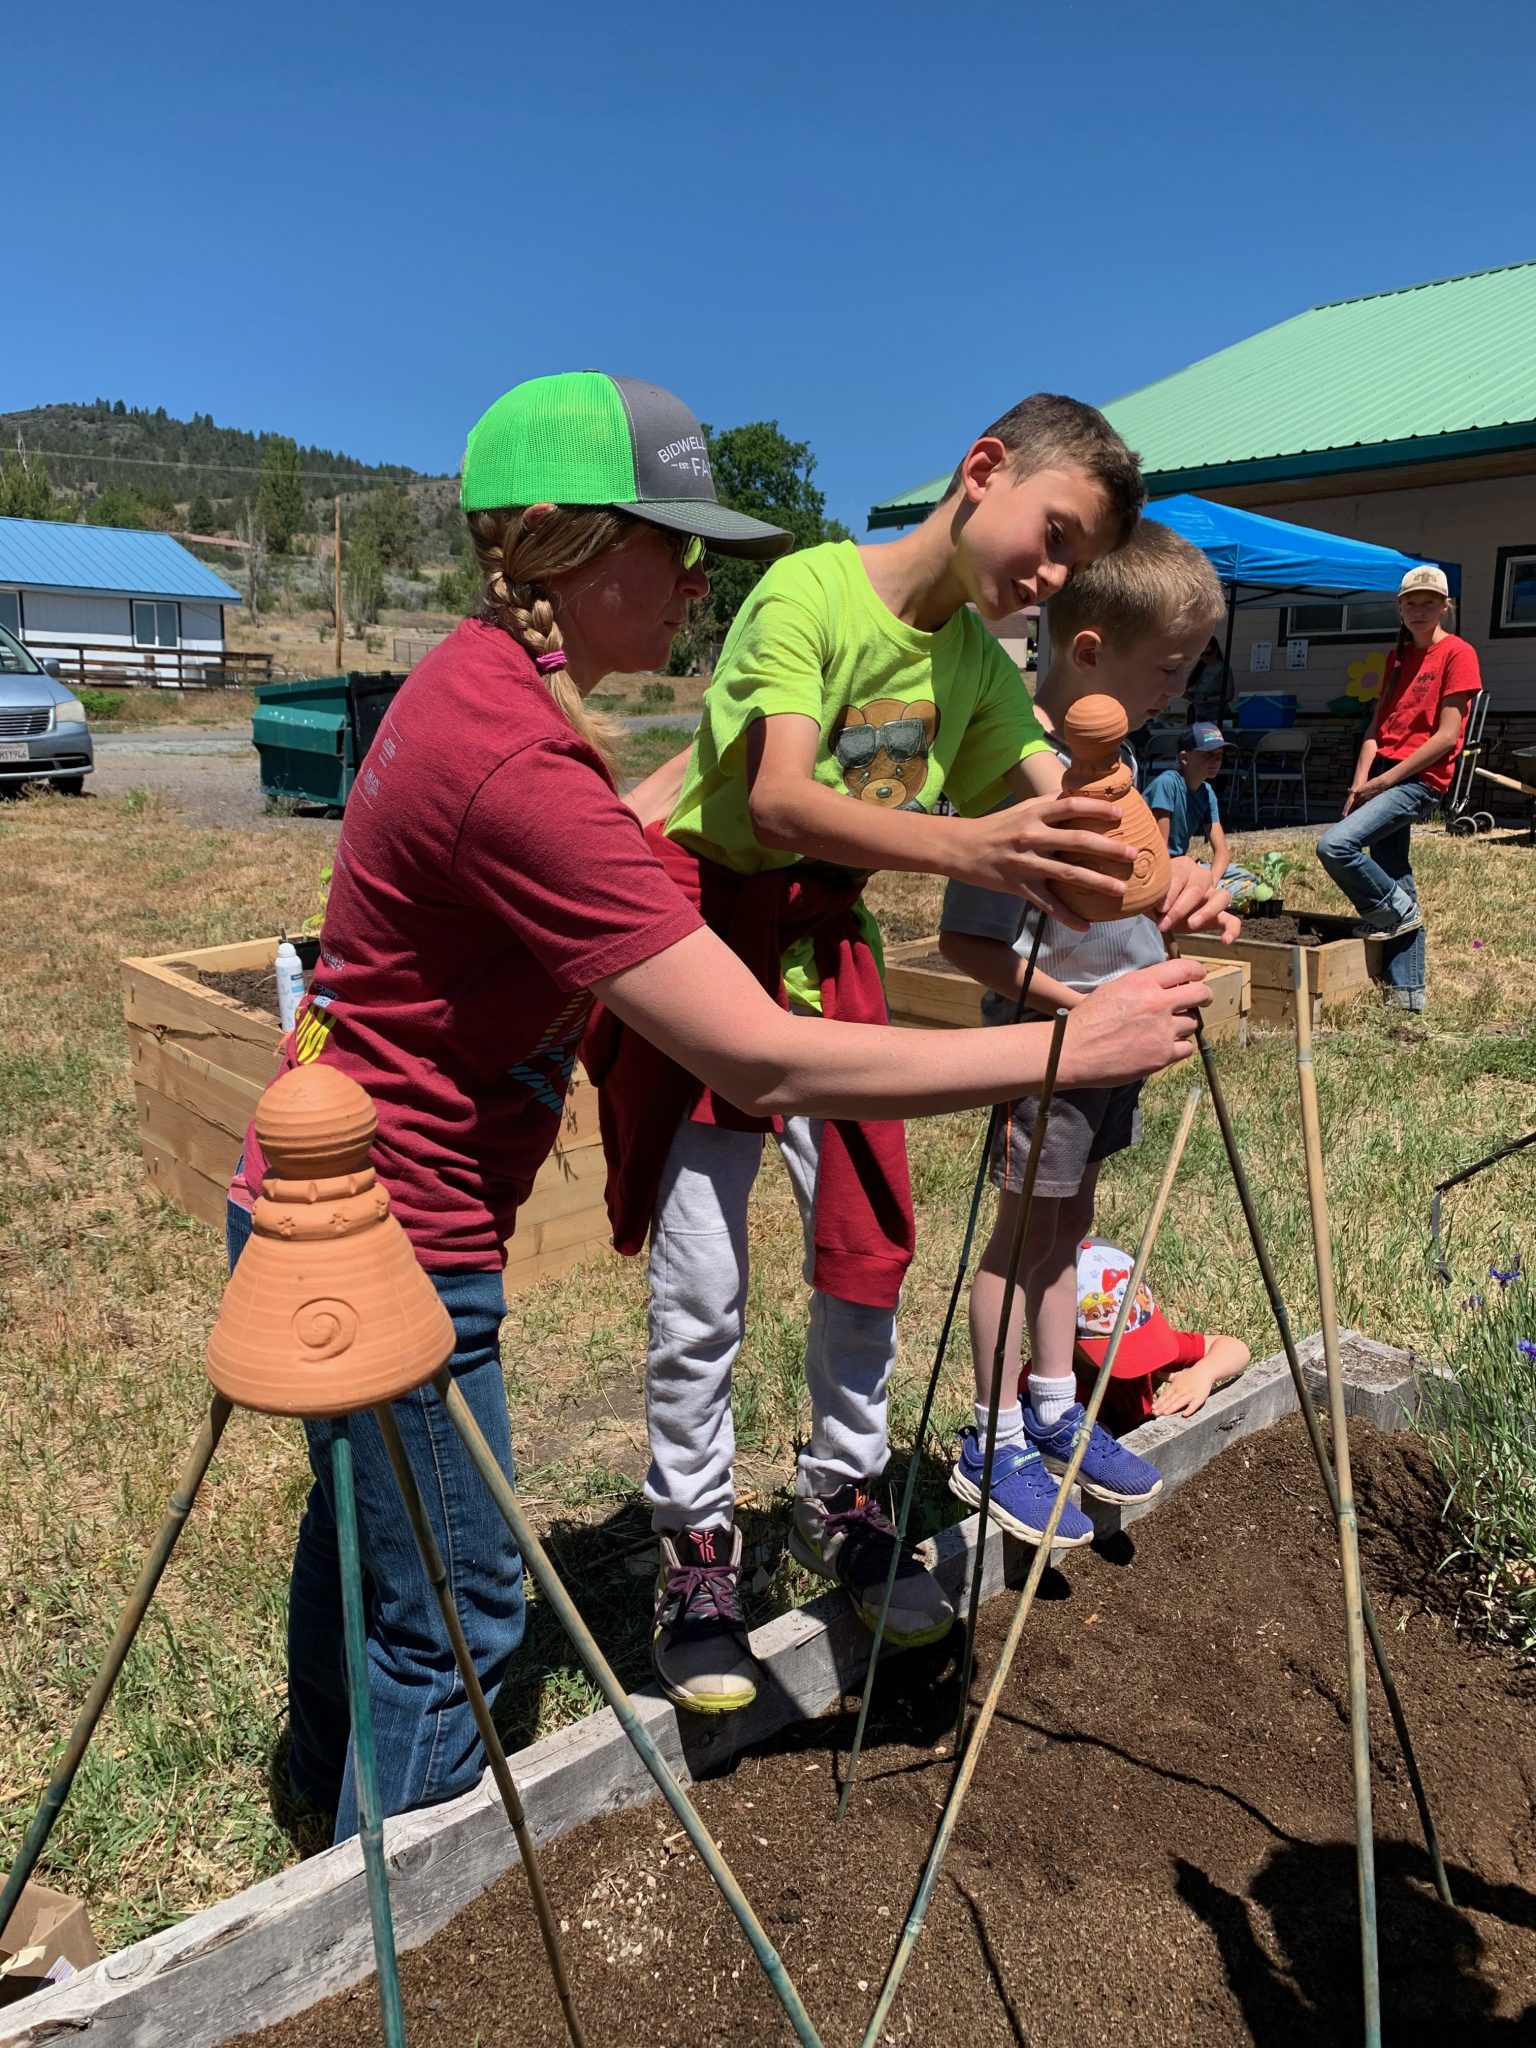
column 428, row 1746
column 1367, row 856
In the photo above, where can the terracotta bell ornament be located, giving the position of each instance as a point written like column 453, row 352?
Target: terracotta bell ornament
column 327, row 1311
column 1094, row 729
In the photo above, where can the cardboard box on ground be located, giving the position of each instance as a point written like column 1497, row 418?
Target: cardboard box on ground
column 47, row 1939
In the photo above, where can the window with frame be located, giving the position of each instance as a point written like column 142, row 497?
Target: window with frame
column 1360, row 618
column 1514, row 593
column 10, row 611
column 156, row 624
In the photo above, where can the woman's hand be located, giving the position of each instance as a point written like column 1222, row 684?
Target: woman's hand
column 1027, row 848
column 1358, row 791
column 1195, row 903
column 1133, row 1026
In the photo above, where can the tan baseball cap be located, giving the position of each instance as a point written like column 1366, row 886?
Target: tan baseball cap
column 1427, row 578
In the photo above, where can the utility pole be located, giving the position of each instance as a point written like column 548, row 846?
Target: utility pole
column 337, row 585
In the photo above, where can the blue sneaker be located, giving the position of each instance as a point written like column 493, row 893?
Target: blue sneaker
column 1023, row 1492
column 1108, row 1471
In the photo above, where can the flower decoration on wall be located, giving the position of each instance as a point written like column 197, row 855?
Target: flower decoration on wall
column 1365, row 676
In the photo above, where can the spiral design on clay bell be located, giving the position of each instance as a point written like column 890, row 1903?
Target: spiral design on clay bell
column 1142, row 866
column 324, row 1328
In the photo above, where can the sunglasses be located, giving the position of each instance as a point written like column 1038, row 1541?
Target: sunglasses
column 693, row 551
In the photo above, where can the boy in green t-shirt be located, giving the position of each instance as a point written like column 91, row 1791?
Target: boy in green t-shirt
column 865, row 674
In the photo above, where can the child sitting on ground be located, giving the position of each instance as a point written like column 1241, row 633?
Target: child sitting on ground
column 1130, row 628
column 1158, row 1370
column 1183, row 801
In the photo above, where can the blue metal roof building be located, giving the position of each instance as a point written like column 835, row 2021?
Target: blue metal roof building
column 105, row 561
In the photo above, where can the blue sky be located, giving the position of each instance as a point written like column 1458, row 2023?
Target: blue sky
column 879, row 224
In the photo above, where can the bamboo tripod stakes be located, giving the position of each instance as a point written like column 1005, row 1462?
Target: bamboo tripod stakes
column 1349, row 1533
column 1042, row 1557
column 962, row 1267
column 328, row 1313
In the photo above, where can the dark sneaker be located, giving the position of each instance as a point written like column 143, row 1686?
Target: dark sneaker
column 1411, row 921
column 699, row 1647
column 848, row 1538
column 1023, row 1492
column 1108, row 1471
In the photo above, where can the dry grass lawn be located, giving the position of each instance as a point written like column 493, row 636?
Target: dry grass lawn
column 106, row 1297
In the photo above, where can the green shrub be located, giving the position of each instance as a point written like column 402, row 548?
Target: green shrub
column 100, row 703
column 1478, row 1427
column 657, row 696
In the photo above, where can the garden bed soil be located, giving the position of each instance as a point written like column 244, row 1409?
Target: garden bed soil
column 1157, row 1847
column 1281, row 929
column 255, row 987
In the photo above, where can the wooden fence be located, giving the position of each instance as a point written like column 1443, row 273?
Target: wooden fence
column 105, row 664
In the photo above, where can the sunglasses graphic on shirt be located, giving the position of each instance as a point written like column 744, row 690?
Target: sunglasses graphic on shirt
column 903, row 739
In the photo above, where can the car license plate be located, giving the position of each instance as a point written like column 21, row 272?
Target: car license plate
column 14, row 754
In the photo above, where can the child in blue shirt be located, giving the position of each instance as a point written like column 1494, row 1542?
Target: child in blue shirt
column 1183, row 801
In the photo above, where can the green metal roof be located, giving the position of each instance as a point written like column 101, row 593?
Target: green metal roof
column 1440, row 369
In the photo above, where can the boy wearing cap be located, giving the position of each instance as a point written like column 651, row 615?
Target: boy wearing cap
column 856, row 686
column 1158, row 1370
column 1130, row 628
column 1183, row 801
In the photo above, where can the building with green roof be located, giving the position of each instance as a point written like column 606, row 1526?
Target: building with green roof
column 1407, row 418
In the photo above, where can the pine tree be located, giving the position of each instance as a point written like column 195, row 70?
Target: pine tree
column 280, row 498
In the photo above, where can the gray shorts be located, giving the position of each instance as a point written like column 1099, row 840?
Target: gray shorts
column 1087, row 1125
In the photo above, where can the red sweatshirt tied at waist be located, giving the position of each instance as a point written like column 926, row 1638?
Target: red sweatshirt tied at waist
column 864, row 1231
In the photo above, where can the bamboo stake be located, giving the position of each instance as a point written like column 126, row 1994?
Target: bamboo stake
column 994, row 1400
column 135, row 1608
column 1319, row 1449
column 365, row 1770
column 1349, row 1534
column 967, row 1770
column 432, row 1559
column 994, row 1125
column 569, row 1617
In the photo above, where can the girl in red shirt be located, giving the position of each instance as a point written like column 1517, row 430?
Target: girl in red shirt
column 1405, row 766
column 489, row 883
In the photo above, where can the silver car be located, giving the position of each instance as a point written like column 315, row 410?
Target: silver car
column 43, row 732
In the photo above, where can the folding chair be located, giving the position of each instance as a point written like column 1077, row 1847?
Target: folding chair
column 1159, row 750
column 1280, row 764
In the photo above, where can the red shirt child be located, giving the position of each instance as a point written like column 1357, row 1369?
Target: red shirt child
column 1158, row 1370
column 1415, row 683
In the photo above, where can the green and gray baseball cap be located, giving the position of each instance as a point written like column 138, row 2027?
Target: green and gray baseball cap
column 584, row 438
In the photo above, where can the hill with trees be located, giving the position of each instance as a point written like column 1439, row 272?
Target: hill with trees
column 119, row 465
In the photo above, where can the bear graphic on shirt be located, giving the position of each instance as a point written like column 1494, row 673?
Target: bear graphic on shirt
column 883, row 748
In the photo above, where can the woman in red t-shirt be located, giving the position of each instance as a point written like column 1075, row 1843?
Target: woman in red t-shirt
column 1405, row 766
column 489, row 882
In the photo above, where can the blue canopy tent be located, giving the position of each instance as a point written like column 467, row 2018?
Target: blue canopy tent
column 1261, row 560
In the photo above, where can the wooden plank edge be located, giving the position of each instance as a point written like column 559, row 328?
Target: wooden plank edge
column 301, row 1936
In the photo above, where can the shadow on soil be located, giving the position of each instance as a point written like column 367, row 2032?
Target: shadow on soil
column 1434, row 1977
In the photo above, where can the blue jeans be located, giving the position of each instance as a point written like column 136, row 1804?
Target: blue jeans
column 428, row 1746
column 1367, row 856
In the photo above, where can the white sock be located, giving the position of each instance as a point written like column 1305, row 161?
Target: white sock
column 1050, row 1399
column 1010, row 1424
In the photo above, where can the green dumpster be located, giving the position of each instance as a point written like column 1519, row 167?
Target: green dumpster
column 303, row 734
column 313, row 735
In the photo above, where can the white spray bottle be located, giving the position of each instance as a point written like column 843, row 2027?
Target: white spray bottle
column 290, row 982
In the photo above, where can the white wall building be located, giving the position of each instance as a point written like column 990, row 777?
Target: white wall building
column 131, row 600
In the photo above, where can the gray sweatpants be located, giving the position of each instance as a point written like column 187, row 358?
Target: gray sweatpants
column 698, row 1303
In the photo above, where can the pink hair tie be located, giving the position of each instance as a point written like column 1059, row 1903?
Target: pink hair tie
column 546, row 664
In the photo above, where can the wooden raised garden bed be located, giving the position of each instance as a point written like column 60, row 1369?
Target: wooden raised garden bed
column 923, row 989
column 201, row 1058
column 1339, row 967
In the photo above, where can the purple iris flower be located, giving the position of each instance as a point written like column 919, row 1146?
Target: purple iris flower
column 1525, row 1348
column 1504, row 1278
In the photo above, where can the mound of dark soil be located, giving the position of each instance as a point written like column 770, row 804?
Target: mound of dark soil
column 1157, row 1848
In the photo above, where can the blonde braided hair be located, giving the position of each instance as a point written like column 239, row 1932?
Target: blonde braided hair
column 515, row 559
